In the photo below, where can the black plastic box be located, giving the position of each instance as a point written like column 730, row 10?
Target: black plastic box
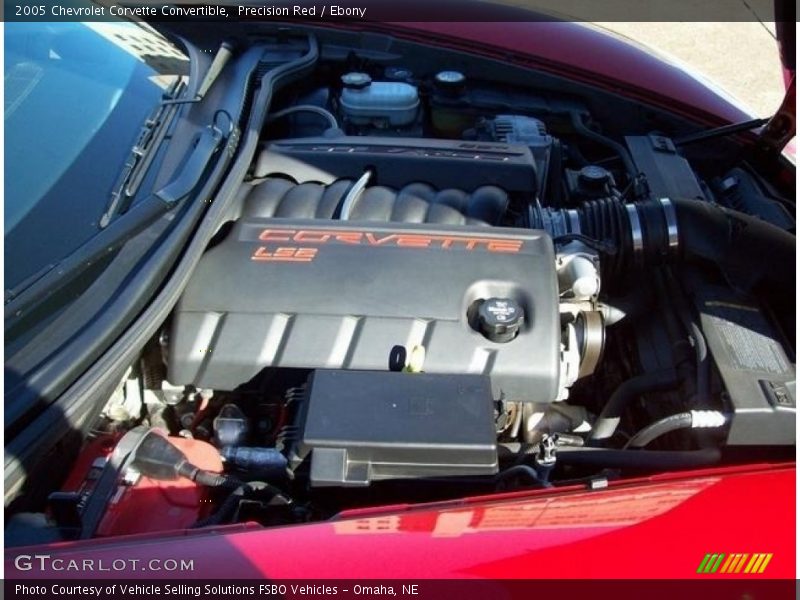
column 362, row 426
column 758, row 374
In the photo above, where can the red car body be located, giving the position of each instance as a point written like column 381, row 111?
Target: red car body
column 658, row 527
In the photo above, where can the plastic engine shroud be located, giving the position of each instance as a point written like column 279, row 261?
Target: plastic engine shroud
column 351, row 295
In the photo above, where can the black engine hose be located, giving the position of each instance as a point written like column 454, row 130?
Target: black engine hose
column 639, row 459
column 659, row 428
column 649, row 233
column 605, row 219
column 695, row 419
column 228, row 507
column 210, row 479
column 580, row 127
column 703, row 360
column 703, row 364
column 607, row 421
column 685, row 352
column 207, row 478
column 743, row 246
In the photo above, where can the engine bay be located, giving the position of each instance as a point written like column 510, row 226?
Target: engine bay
column 436, row 284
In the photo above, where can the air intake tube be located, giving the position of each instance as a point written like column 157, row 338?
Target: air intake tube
column 746, row 249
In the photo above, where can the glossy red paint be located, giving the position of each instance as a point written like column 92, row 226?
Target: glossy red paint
column 580, row 53
column 168, row 505
column 659, row 527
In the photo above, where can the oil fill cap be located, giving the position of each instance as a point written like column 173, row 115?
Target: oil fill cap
column 500, row 319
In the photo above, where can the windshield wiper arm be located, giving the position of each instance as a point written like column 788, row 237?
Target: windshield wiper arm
column 120, row 231
column 153, row 132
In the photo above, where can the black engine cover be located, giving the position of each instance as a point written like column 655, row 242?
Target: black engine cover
column 352, row 295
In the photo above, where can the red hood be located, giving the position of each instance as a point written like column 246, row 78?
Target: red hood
column 657, row 527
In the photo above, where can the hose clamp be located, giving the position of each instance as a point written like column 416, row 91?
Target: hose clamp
column 637, row 237
column 574, row 221
column 671, row 219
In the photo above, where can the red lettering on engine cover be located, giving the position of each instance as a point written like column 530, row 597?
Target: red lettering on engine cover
column 368, row 238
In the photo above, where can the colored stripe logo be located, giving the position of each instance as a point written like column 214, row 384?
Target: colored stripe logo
column 750, row 564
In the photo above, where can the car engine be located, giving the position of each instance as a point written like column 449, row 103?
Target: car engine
column 433, row 283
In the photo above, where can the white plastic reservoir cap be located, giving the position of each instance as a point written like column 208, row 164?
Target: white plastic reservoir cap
column 393, row 102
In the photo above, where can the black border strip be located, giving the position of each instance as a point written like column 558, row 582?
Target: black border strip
column 320, row 11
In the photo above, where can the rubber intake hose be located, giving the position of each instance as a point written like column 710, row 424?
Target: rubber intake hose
column 608, row 420
column 743, row 246
column 655, row 232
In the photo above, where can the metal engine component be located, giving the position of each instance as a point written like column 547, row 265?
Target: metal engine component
column 548, row 419
column 354, row 295
column 578, row 276
column 517, row 129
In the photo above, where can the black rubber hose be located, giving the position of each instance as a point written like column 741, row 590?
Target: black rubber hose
column 703, row 364
column 703, row 380
column 207, row 478
column 674, row 298
column 639, row 459
column 655, row 381
column 581, row 128
column 659, row 428
column 210, row 479
column 746, row 248
column 228, row 507
column 225, row 510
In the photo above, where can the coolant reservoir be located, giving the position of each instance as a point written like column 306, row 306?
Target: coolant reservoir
column 367, row 102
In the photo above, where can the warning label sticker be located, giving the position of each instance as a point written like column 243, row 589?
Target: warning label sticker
column 747, row 338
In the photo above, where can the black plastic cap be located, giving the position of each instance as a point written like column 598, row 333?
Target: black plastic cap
column 500, row 319
column 594, row 176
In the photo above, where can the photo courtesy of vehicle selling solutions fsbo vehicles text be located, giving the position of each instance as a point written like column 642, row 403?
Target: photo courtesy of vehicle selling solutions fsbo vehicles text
column 460, row 298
